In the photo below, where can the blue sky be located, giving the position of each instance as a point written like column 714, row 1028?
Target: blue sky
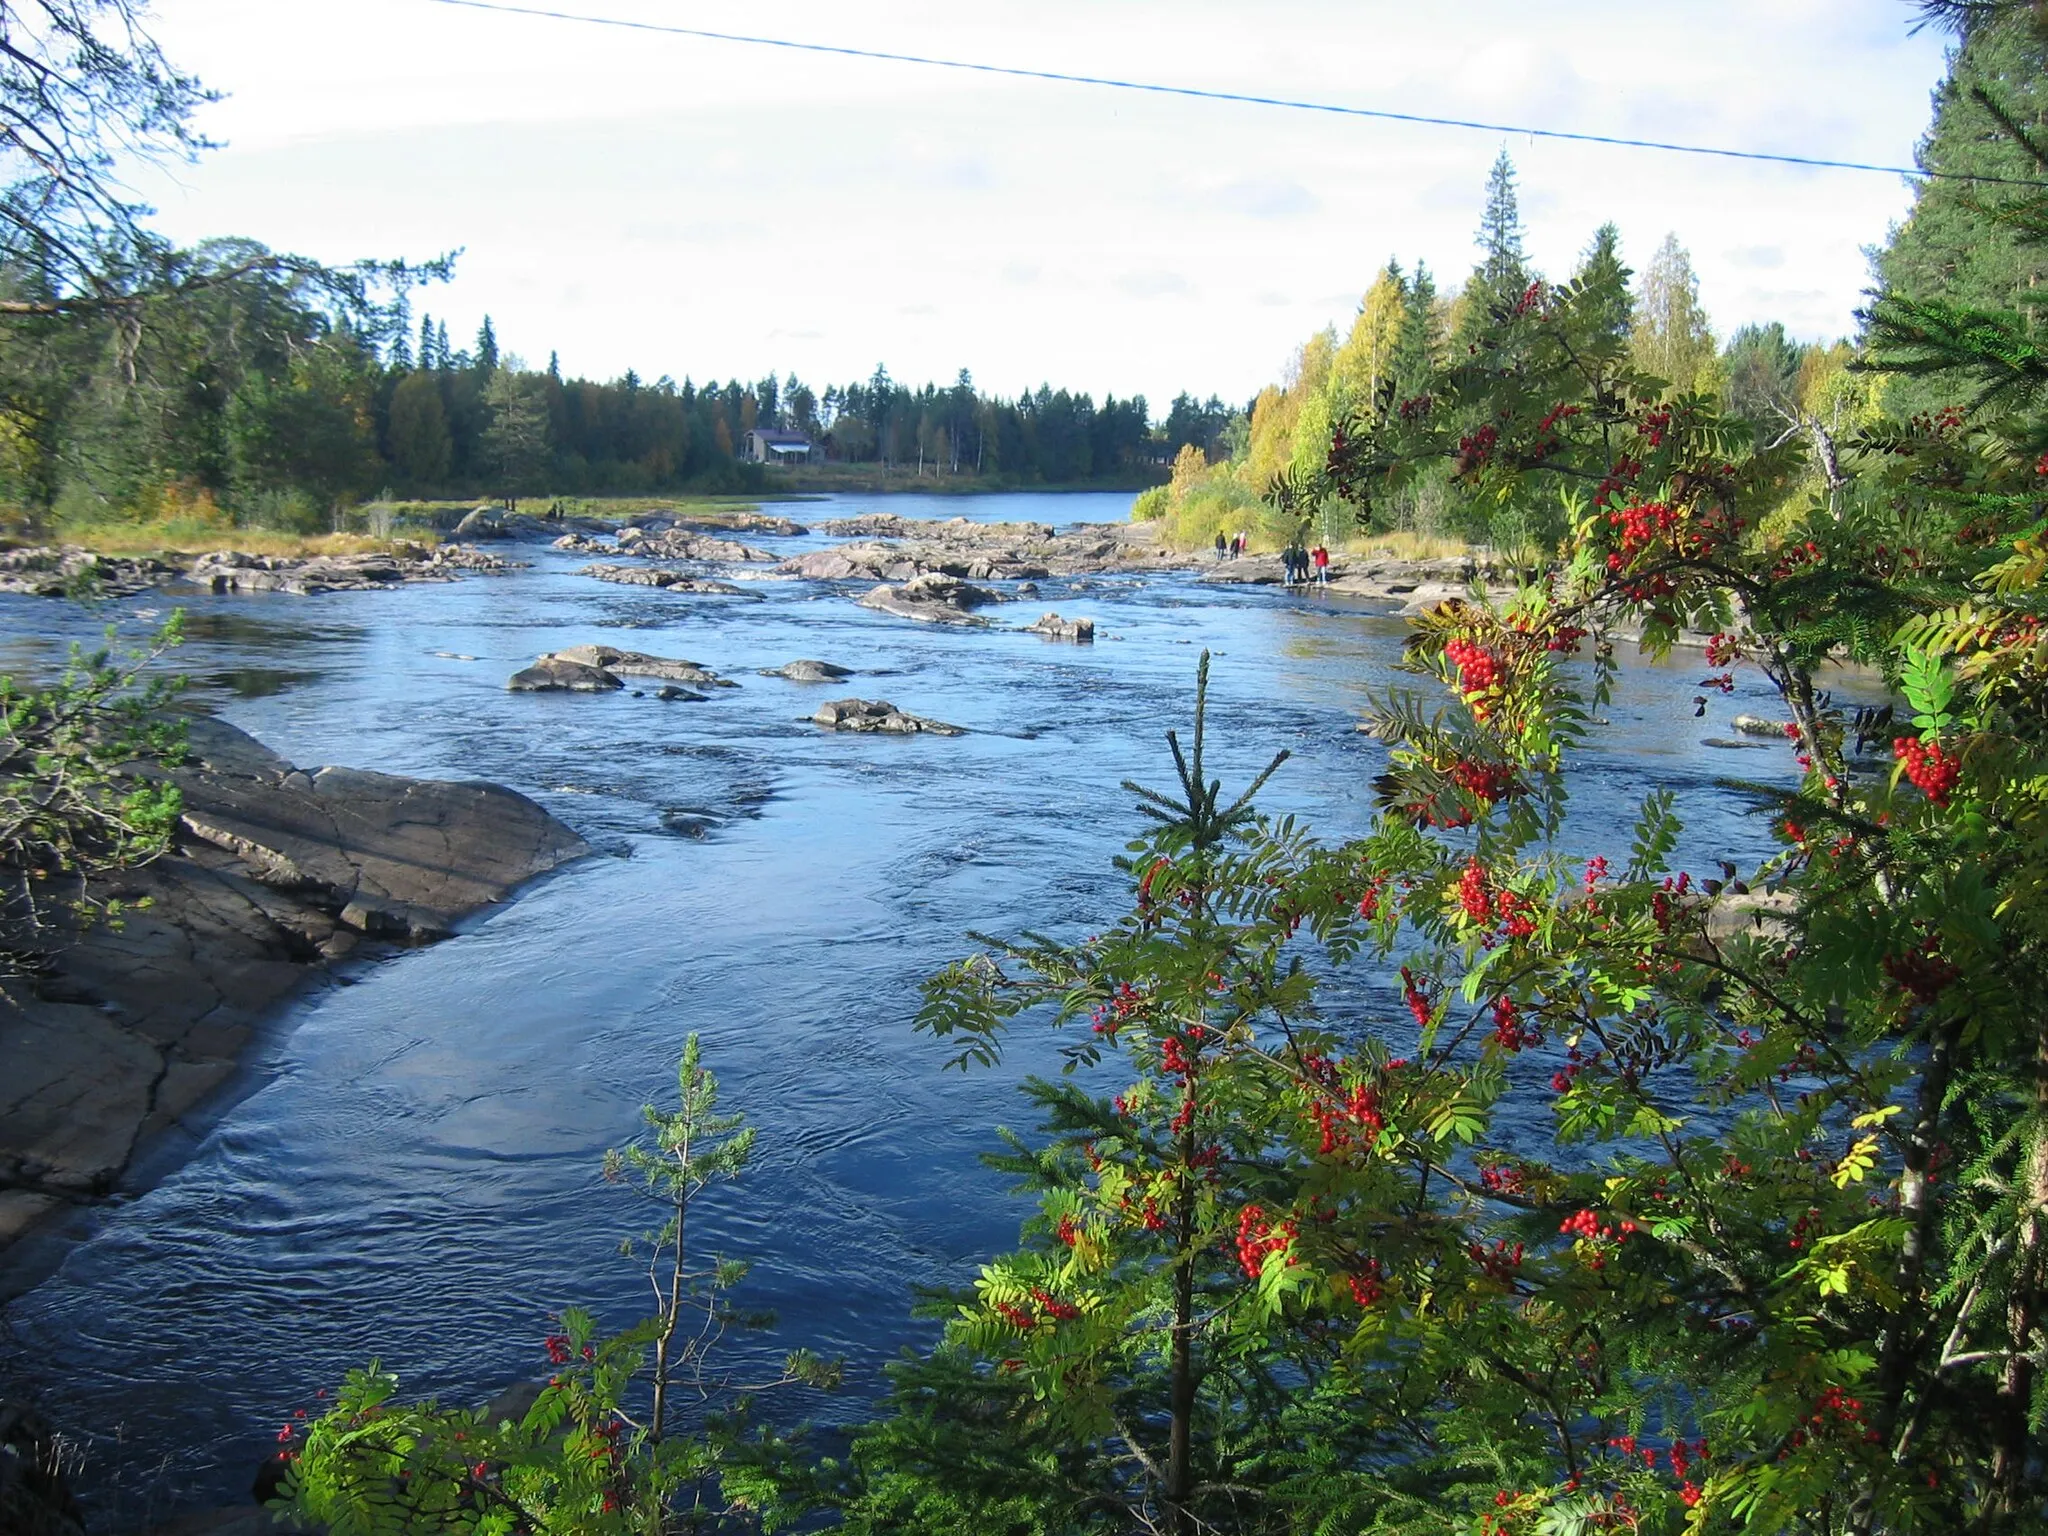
column 689, row 207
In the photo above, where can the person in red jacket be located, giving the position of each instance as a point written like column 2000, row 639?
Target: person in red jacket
column 1321, row 557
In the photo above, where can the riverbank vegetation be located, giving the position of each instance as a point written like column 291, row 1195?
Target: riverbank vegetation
column 1491, row 1174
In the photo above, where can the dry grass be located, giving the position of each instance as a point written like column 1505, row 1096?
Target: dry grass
column 185, row 537
column 1405, row 544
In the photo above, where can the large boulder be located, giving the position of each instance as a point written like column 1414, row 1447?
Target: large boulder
column 274, row 873
column 878, row 715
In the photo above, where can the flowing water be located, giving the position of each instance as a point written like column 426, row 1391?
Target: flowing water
column 411, row 1168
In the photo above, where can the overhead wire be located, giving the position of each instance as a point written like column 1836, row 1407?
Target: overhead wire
column 1201, row 93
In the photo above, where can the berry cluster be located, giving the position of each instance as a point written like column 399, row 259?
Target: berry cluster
column 1498, row 1262
column 1488, row 783
column 1625, row 469
column 1501, row 1179
column 1368, row 1283
column 1722, row 651
column 1509, row 1030
column 1480, row 674
column 1416, row 409
column 1654, row 426
column 1641, row 525
column 1257, row 1237
column 1417, row 998
column 1586, row 1225
column 1476, row 449
column 1933, row 771
column 1922, row 973
column 1369, row 902
column 1336, row 1116
column 1473, row 893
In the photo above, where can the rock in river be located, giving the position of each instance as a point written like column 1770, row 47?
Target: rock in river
column 556, row 674
column 879, row 715
column 667, row 580
column 1053, row 627
column 275, row 871
column 934, row 598
column 810, row 672
column 679, row 544
column 670, row 669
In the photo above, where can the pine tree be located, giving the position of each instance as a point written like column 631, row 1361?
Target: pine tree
column 1502, row 266
column 1946, row 249
column 1418, row 348
column 554, row 366
column 486, row 348
column 1602, row 266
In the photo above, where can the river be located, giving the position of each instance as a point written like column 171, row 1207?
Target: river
column 411, row 1168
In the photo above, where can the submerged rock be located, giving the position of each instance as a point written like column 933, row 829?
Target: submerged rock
column 1053, row 627
column 878, row 715
column 809, row 672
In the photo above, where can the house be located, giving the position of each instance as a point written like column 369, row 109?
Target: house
column 765, row 445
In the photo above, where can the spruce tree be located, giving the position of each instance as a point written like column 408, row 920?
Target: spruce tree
column 1946, row 249
column 486, row 348
column 1418, row 346
column 1503, row 268
column 430, row 358
column 1601, row 267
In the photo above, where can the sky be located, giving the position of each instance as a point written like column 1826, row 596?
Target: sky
column 707, row 209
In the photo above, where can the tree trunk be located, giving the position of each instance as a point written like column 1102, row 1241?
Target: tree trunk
column 1181, row 1389
column 2023, row 1307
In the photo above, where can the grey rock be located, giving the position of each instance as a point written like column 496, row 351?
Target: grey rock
column 274, row 873
column 810, row 672
column 1751, row 725
column 674, row 695
column 1053, row 627
column 680, row 544
column 667, row 580
column 552, row 674
column 932, row 597
column 639, row 664
column 878, row 715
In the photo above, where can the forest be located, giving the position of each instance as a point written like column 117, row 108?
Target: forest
column 1407, row 328
column 267, row 390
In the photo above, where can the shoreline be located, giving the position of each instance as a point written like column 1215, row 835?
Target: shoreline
column 132, row 1041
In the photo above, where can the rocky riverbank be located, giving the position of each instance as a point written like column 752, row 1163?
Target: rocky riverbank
column 277, row 874
column 68, row 571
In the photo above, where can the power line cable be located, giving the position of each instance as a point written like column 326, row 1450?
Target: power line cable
column 1245, row 98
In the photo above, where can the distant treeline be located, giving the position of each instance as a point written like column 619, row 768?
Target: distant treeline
column 246, row 395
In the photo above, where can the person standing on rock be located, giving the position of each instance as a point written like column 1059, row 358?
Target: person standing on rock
column 1321, row 556
column 1222, row 545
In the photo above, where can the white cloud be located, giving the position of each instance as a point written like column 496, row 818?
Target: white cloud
column 680, row 206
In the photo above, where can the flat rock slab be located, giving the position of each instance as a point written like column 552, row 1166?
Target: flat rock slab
column 672, row 669
column 879, row 715
column 275, row 872
column 681, row 544
column 666, row 580
column 233, row 571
